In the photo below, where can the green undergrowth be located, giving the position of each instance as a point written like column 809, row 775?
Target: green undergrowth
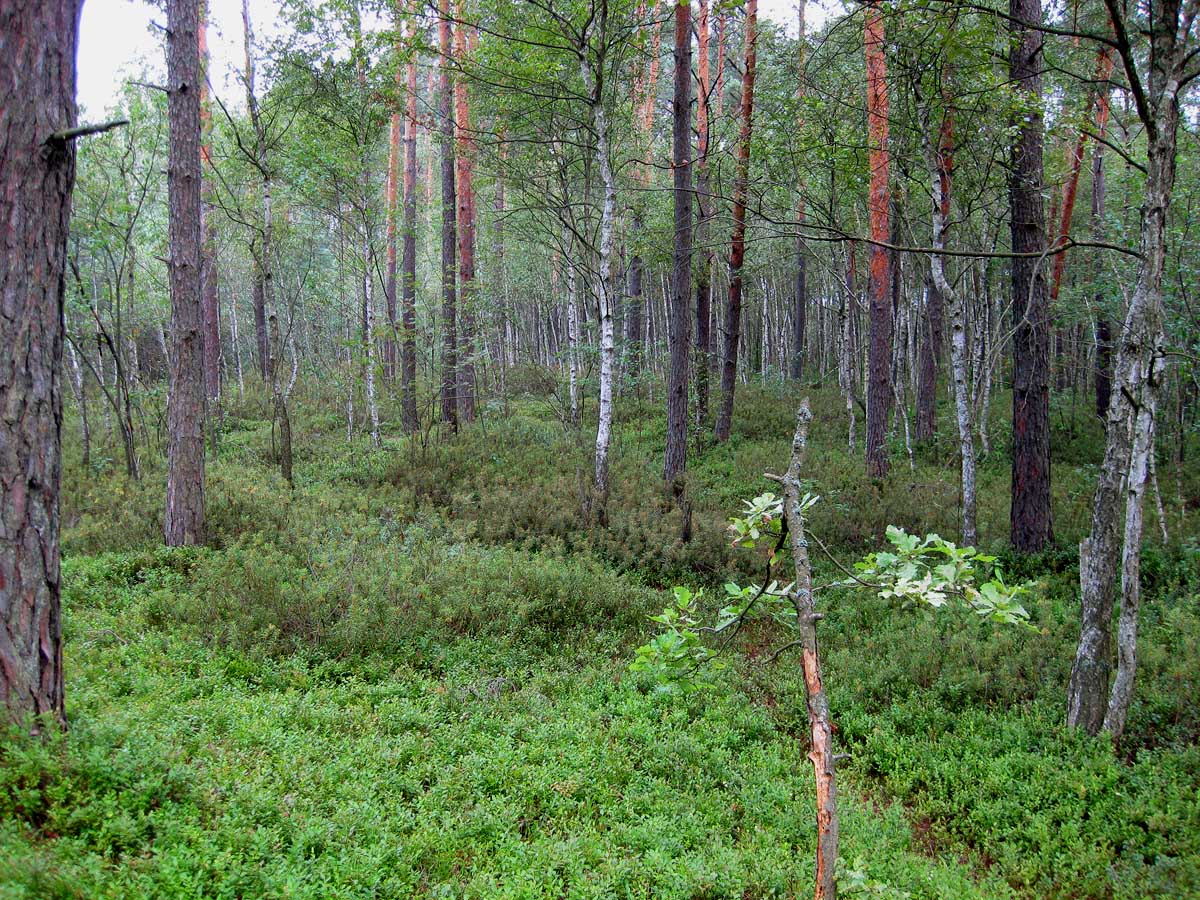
column 480, row 767
column 407, row 676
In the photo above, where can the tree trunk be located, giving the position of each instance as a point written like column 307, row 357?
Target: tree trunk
column 679, row 325
column 466, row 233
column 1129, row 430
column 800, row 299
column 879, row 360
column 1030, row 521
column 392, row 212
column 184, row 521
column 820, row 726
column 737, row 250
column 408, row 352
column 704, row 211
column 209, row 298
column 941, row 172
column 37, row 172
column 449, row 226
column 595, row 87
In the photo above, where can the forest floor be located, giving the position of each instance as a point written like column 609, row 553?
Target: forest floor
column 408, row 677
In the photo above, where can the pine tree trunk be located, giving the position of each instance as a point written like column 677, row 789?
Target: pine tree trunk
column 37, row 172
column 1030, row 520
column 184, row 520
column 466, row 233
column 879, row 369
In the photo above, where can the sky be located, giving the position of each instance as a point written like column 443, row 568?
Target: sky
column 118, row 42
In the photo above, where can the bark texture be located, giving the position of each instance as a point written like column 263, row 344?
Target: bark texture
column 37, row 172
column 184, row 520
column 1030, row 523
column 1137, row 377
column 879, row 356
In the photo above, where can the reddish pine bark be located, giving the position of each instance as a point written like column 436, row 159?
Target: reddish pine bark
column 466, row 232
column 449, row 225
column 737, row 249
column 879, row 356
column 37, row 172
column 184, row 522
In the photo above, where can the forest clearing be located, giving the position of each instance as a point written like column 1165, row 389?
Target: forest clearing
column 600, row 449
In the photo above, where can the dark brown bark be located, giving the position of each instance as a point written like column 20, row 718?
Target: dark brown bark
column 37, row 172
column 184, row 520
column 679, row 324
column 879, row 354
column 449, row 225
column 408, row 351
column 1030, row 521
column 737, row 252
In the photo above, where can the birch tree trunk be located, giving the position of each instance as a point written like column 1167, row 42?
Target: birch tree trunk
column 1137, row 375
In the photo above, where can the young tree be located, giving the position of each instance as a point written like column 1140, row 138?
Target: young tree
column 1030, row 512
column 679, row 324
column 184, row 520
column 37, row 171
column 737, row 250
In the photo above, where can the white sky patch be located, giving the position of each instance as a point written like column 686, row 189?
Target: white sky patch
column 120, row 40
